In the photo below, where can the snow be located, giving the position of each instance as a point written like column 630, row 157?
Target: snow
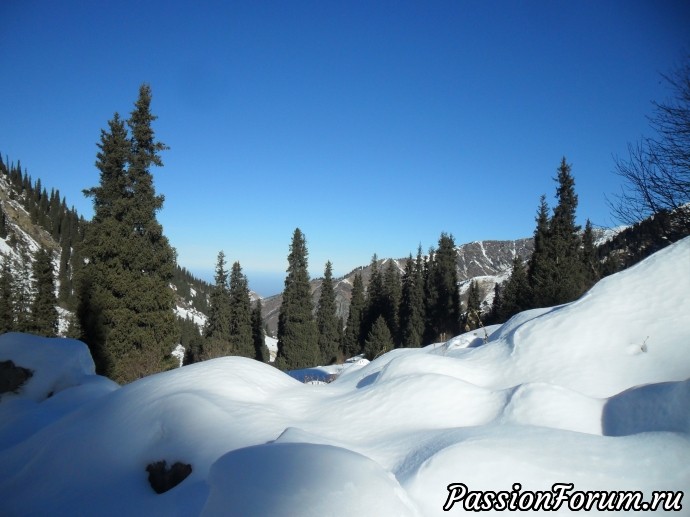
column 594, row 393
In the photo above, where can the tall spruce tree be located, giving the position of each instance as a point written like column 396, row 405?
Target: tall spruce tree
column 261, row 352
column 217, row 329
column 390, row 303
column 557, row 275
column 44, row 315
column 472, row 314
column 515, row 293
column 412, row 302
column 6, row 299
column 129, row 263
column 298, row 337
column 326, row 318
column 590, row 264
column 443, row 315
column 241, row 340
column 351, row 344
column 539, row 260
column 374, row 298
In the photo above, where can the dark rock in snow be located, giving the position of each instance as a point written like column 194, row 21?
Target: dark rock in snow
column 163, row 478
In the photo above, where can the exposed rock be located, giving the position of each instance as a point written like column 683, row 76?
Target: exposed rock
column 163, row 478
column 12, row 377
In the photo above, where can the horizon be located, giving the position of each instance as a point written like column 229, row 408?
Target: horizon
column 371, row 127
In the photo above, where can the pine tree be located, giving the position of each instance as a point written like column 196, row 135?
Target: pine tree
column 217, row 330
column 241, row 341
column 326, row 318
column 3, row 224
column 412, row 302
column 515, row 293
column 379, row 339
column 351, row 344
column 392, row 293
column 129, row 262
column 590, row 264
column 261, row 352
column 44, row 315
column 556, row 274
column 538, row 264
column 442, row 292
column 472, row 314
column 6, row 298
column 374, row 299
column 298, row 345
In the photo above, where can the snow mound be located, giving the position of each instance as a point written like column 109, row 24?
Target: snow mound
column 594, row 393
column 302, row 479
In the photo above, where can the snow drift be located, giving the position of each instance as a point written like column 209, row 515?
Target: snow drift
column 594, row 393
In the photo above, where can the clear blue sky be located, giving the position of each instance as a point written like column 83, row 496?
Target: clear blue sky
column 372, row 126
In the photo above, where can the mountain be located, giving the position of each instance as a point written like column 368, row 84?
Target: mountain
column 487, row 262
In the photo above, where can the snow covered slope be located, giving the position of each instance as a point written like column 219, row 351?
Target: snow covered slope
column 594, row 393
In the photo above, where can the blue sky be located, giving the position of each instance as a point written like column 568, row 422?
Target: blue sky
column 372, row 126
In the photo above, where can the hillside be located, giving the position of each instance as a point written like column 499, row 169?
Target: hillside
column 588, row 396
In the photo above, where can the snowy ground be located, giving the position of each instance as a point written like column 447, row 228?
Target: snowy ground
column 595, row 393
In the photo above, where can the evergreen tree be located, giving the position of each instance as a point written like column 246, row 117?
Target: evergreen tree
column 379, row 339
column 44, row 315
column 326, row 318
column 217, row 331
column 351, row 344
column 22, row 291
column 412, row 302
column 392, row 293
column 6, row 298
column 298, row 336
column 3, row 224
column 443, row 297
column 241, row 339
column 261, row 352
column 590, row 264
column 374, row 299
column 558, row 278
column 538, row 263
column 515, row 294
column 472, row 314
column 129, row 262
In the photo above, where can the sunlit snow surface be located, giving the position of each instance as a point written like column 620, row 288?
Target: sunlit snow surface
column 594, row 393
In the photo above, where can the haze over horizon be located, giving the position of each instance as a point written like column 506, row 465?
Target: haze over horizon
column 373, row 127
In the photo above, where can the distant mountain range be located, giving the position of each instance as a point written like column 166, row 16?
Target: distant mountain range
column 487, row 262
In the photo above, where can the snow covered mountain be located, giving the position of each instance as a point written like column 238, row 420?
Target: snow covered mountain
column 578, row 407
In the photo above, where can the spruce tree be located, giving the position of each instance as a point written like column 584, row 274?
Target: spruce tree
column 3, row 224
column 261, row 352
column 241, row 340
column 443, row 296
column 472, row 314
column 539, row 260
column 22, row 291
column 412, row 302
column 6, row 298
column 326, row 318
column 379, row 339
column 217, row 330
column 129, row 263
column 351, row 344
column 590, row 264
column 44, row 315
column 374, row 298
column 515, row 293
column 392, row 292
column 298, row 345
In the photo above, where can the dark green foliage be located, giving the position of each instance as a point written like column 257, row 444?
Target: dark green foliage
column 191, row 339
column 590, row 265
column 412, row 310
column 390, row 302
column 298, row 336
column 240, row 339
column 379, row 339
column 326, row 318
column 129, row 262
column 514, row 294
column 443, row 297
column 261, row 352
column 471, row 317
column 556, row 273
column 6, row 298
column 374, row 299
column 3, row 224
column 351, row 344
column 217, row 331
column 44, row 315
